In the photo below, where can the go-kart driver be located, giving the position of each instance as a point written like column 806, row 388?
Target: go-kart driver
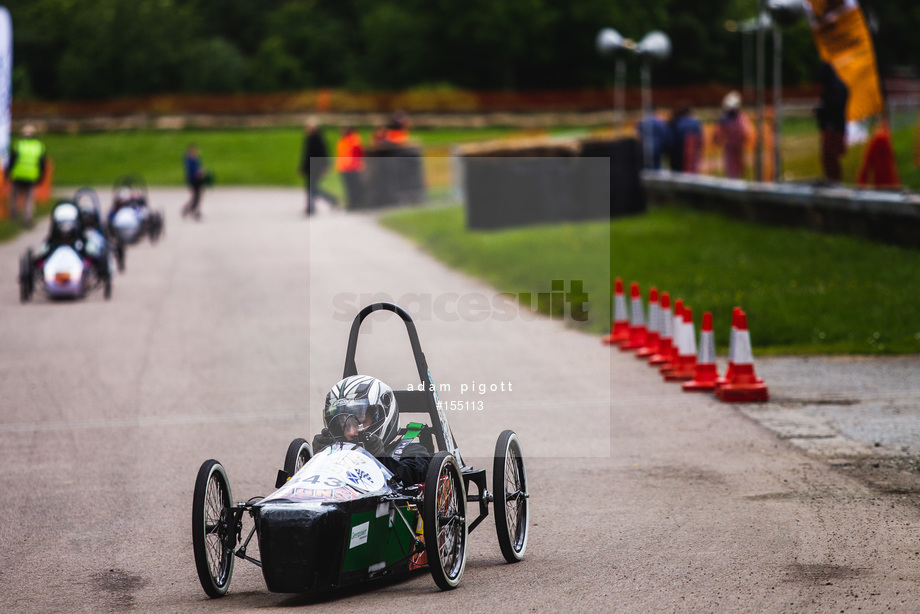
column 90, row 216
column 362, row 409
column 94, row 232
column 127, row 197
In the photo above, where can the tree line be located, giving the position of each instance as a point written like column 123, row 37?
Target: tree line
column 101, row 49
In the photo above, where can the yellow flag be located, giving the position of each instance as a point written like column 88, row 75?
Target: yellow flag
column 843, row 41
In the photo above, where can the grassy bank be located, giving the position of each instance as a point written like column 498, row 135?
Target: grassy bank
column 803, row 292
column 237, row 157
column 270, row 156
column 9, row 228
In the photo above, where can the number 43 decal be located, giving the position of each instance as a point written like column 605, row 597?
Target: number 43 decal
column 330, row 481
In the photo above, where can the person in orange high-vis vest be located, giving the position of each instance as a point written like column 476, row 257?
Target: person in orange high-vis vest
column 397, row 131
column 349, row 163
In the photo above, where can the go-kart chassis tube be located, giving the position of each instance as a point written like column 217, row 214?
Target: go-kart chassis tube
column 417, row 544
column 233, row 538
column 483, row 496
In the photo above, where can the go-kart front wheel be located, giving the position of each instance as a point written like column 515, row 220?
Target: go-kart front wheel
column 120, row 256
column 298, row 453
column 212, row 534
column 26, row 277
column 444, row 519
column 156, row 226
column 512, row 503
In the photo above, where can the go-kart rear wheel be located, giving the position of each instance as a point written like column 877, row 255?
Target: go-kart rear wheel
column 444, row 519
column 212, row 535
column 512, row 503
column 298, row 453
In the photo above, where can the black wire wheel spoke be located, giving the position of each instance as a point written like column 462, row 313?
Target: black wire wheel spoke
column 444, row 519
column 213, row 530
column 512, row 501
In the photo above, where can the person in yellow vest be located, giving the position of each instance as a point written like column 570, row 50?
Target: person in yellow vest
column 28, row 162
column 349, row 162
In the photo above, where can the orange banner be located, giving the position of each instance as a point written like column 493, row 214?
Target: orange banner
column 843, row 40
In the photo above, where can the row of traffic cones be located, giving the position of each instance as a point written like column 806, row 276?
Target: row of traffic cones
column 668, row 341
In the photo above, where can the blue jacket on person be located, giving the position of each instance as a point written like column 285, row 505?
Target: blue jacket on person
column 681, row 127
column 661, row 139
column 192, row 169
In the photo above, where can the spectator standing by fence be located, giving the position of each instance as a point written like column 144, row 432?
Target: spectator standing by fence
column 733, row 133
column 397, row 131
column 349, row 162
column 653, row 128
column 686, row 140
column 314, row 162
column 832, row 121
column 27, row 166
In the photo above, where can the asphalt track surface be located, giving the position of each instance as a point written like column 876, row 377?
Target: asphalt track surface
column 221, row 341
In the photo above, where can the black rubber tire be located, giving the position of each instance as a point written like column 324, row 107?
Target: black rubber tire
column 298, row 454
column 107, row 287
column 25, row 279
column 210, row 509
column 512, row 503
column 120, row 256
column 156, row 224
column 444, row 519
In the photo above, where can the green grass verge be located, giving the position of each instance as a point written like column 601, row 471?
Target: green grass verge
column 237, row 157
column 9, row 228
column 270, row 156
column 804, row 293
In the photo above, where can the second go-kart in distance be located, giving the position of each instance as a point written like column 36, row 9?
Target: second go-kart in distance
column 343, row 516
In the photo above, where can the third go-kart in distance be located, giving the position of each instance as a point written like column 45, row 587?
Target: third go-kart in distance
column 341, row 517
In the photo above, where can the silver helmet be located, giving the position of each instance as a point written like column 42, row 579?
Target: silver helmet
column 367, row 399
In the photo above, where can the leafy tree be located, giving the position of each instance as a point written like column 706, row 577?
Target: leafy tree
column 108, row 48
column 319, row 37
column 214, row 65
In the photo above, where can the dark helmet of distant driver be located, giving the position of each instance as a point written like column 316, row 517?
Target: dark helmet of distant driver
column 367, row 400
column 89, row 210
column 65, row 220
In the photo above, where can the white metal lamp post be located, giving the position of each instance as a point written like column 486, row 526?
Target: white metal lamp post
column 654, row 46
column 611, row 43
column 784, row 13
column 772, row 14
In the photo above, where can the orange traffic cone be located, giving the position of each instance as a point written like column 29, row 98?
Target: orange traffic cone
column 706, row 373
column 744, row 386
column 654, row 324
column 665, row 331
column 636, row 321
column 685, row 365
column 619, row 327
column 677, row 321
column 721, row 381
